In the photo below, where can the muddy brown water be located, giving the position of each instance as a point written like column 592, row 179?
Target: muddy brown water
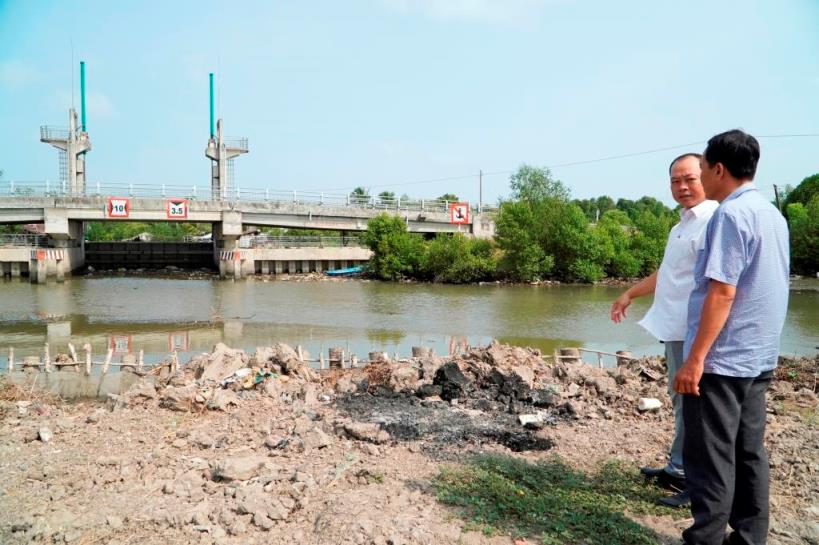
column 159, row 315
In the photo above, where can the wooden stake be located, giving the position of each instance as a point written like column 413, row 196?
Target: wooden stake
column 174, row 362
column 141, row 360
column 87, row 358
column 354, row 361
column 599, row 360
column 47, row 358
column 73, row 353
column 108, row 357
column 300, row 352
column 321, row 359
column 11, row 359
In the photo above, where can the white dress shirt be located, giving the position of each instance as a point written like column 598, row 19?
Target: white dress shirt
column 666, row 319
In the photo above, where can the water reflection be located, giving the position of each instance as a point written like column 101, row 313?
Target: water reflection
column 160, row 315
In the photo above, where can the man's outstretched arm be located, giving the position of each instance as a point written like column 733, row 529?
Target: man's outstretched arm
column 644, row 287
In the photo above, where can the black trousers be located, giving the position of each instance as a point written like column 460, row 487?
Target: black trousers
column 726, row 466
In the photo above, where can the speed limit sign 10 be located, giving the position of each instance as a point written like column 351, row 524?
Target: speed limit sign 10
column 119, row 207
column 176, row 209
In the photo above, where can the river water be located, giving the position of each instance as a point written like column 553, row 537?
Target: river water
column 159, row 315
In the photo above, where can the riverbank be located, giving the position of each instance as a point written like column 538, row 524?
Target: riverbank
column 250, row 448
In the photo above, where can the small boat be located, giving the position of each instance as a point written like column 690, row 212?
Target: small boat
column 345, row 272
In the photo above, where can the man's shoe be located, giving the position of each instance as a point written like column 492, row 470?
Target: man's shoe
column 670, row 482
column 682, row 499
column 651, row 472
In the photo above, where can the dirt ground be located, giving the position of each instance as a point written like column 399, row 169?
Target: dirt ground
column 258, row 448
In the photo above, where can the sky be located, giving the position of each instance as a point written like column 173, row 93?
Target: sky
column 412, row 96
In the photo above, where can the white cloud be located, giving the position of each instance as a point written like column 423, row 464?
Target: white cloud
column 16, row 74
column 512, row 12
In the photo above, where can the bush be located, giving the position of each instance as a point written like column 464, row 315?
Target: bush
column 804, row 232
column 396, row 253
column 458, row 259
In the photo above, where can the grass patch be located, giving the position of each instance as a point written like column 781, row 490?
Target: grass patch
column 551, row 501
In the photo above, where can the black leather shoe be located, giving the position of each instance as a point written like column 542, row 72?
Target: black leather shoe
column 651, row 472
column 682, row 499
column 670, row 482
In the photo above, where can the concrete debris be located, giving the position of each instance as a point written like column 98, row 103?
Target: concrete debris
column 648, row 404
column 233, row 448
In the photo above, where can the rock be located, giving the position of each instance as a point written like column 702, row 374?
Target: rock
column 178, row 398
column 222, row 399
column 544, row 398
column 369, row 432
column 140, row 391
column 648, row 404
column 114, row 522
column 262, row 521
column 429, row 390
column 45, row 435
column 403, row 378
column 452, row 381
column 531, row 421
column 221, row 363
column 238, row 469
column 573, row 390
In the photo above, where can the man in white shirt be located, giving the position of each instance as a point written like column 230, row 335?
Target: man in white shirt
column 671, row 285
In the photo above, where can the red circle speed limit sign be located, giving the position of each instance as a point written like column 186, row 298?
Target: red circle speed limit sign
column 176, row 209
column 119, row 207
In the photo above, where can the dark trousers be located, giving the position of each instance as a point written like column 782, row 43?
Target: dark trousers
column 726, row 466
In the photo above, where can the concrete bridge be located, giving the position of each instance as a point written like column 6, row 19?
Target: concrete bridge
column 63, row 214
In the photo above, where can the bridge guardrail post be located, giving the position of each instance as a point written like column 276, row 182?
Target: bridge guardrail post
column 422, row 204
column 130, row 189
column 163, row 191
column 194, row 191
column 321, row 198
column 266, row 194
column 11, row 187
column 294, row 196
column 238, row 193
column 99, row 192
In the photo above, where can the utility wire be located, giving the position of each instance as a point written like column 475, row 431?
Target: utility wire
column 570, row 163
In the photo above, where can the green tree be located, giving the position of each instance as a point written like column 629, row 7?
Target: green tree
column 360, row 195
column 578, row 254
column 386, row 198
column 614, row 233
column 802, row 193
column 396, row 253
column 804, row 232
column 649, row 239
column 533, row 184
column 458, row 259
column 525, row 225
column 450, row 197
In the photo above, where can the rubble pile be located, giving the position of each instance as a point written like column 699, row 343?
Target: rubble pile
column 261, row 448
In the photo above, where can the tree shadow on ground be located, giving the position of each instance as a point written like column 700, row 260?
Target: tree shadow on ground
column 551, row 502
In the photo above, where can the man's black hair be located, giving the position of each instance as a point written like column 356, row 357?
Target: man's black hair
column 737, row 150
column 683, row 156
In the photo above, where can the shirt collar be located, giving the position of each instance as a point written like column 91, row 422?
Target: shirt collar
column 699, row 210
column 744, row 188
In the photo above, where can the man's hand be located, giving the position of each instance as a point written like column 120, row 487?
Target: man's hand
column 687, row 379
column 618, row 308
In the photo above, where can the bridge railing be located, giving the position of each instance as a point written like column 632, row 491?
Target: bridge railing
column 237, row 194
column 17, row 240
column 272, row 241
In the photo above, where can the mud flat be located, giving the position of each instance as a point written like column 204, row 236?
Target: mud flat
column 248, row 448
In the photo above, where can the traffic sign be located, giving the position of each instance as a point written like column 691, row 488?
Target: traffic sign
column 459, row 212
column 176, row 209
column 119, row 207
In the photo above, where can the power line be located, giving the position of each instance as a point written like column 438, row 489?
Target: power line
column 570, row 163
